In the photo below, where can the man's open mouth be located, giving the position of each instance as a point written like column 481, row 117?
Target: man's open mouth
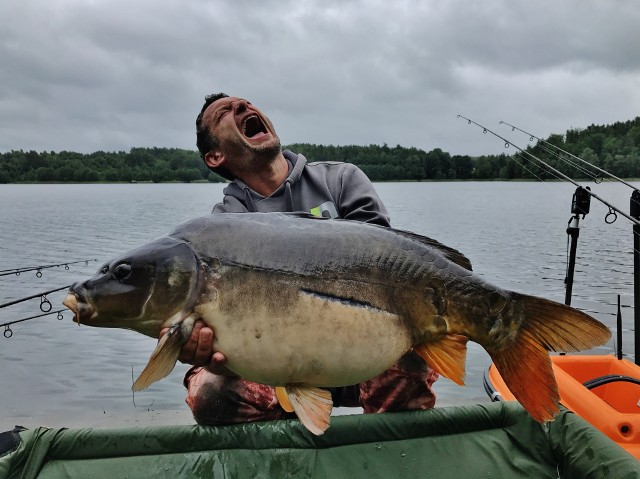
column 252, row 126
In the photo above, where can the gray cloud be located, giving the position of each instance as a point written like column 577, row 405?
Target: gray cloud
column 111, row 75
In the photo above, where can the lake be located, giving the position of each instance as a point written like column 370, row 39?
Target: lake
column 514, row 233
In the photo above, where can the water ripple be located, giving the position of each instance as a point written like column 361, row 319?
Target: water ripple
column 514, row 234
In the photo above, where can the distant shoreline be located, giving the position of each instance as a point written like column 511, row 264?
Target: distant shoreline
column 501, row 180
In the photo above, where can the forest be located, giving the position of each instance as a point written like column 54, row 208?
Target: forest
column 615, row 148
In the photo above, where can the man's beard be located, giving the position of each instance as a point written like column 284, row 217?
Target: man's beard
column 270, row 150
column 251, row 156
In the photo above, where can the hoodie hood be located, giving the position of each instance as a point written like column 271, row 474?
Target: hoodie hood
column 245, row 195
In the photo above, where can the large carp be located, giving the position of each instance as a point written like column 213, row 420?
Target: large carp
column 301, row 303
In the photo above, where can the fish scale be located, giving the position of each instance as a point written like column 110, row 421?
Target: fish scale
column 299, row 303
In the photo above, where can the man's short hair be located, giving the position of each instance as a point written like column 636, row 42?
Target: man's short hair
column 205, row 141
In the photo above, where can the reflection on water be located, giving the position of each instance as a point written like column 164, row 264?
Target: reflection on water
column 513, row 233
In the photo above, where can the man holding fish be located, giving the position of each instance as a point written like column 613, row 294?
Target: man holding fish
column 237, row 141
column 299, row 305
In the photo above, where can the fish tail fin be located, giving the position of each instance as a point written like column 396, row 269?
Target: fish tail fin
column 526, row 367
column 558, row 327
column 312, row 406
column 446, row 356
column 164, row 357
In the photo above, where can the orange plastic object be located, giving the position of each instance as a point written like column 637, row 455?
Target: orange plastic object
column 613, row 408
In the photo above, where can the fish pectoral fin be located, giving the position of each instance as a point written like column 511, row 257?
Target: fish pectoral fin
column 447, row 356
column 161, row 362
column 283, row 399
column 164, row 357
column 312, row 406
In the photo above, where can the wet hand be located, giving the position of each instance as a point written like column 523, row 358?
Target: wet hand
column 198, row 350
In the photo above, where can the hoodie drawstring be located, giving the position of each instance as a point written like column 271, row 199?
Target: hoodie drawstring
column 288, row 196
column 248, row 201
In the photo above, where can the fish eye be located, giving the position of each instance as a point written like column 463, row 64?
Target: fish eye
column 122, row 271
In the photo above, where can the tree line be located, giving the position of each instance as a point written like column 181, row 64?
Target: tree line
column 615, row 148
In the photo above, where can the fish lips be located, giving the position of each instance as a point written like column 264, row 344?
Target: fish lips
column 82, row 309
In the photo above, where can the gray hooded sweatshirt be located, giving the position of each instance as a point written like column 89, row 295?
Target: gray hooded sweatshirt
column 328, row 188
column 337, row 190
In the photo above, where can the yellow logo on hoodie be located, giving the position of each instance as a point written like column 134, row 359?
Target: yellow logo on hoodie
column 325, row 210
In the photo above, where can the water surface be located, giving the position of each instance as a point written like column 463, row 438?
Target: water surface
column 513, row 233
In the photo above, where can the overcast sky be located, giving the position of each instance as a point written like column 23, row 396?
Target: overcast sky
column 88, row 75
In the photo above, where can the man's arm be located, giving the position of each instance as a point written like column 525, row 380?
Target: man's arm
column 357, row 199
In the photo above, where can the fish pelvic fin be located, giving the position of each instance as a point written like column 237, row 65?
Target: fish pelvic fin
column 526, row 367
column 312, row 406
column 447, row 356
column 164, row 357
column 283, row 399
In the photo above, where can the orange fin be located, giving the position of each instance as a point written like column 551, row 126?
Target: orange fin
column 283, row 399
column 558, row 327
column 527, row 372
column 164, row 357
column 525, row 365
column 312, row 406
column 447, row 356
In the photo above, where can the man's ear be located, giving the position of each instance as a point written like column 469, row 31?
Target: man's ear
column 214, row 158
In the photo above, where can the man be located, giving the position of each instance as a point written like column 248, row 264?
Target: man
column 237, row 141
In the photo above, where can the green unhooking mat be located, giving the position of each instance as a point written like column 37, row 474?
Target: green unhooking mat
column 496, row 440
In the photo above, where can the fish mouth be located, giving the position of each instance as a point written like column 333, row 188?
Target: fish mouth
column 80, row 310
column 253, row 127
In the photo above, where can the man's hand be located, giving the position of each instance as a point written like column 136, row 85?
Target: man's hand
column 198, row 350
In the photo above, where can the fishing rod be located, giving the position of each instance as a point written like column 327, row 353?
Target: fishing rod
column 612, row 209
column 38, row 269
column 560, row 157
column 45, row 304
column 45, row 307
column 603, row 171
column 580, row 206
column 587, row 193
column 596, row 179
column 7, row 326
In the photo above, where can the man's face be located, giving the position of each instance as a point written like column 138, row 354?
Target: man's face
column 245, row 133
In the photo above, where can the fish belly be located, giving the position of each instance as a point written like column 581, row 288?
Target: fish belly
column 315, row 339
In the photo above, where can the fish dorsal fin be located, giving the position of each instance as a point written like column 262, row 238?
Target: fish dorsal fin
column 451, row 254
column 447, row 356
column 164, row 357
column 312, row 406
